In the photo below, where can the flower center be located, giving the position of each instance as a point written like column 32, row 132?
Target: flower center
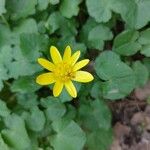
column 63, row 72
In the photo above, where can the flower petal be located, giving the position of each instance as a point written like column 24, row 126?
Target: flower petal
column 80, row 64
column 57, row 88
column 74, row 58
column 83, row 76
column 71, row 89
column 46, row 64
column 55, row 55
column 67, row 53
column 45, row 79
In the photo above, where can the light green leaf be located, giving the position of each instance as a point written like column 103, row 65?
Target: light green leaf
column 35, row 120
column 4, row 111
column 69, row 136
column 141, row 73
column 2, row 7
column 21, row 9
column 118, row 77
column 98, row 35
column 126, row 43
column 15, row 132
column 69, row 8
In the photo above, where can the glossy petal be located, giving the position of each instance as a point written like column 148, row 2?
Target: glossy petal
column 80, row 64
column 55, row 55
column 46, row 64
column 67, row 53
column 57, row 88
column 83, row 76
column 74, row 58
column 45, row 79
column 71, row 89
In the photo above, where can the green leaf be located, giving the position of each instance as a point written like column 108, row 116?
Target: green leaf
column 32, row 44
column 98, row 35
column 144, row 40
column 54, row 22
column 5, row 59
column 97, row 115
column 141, row 18
column 131, row 11
column 20, row 66
column 25, row 84
column 73, row 44
column 54, row 108
column 3, row 75
column 69, row 8
column 69, row 136
column 100, row 10
column 15, row 131
column 96, row 90
column 54, row 2
column 26, row 26
column 141, row 73
column 21, row 9
column 99, row 140
column 4, row 111
column 5, row 36
column 118, row 77
column 35, row 120
column 3, row 145
column 42, row 4
column 146, row 50
column 86, row 28
column 146, row 62
column 126, row 43
column 101, row 113
column 144, row 37
column 2, row 7
column 27, row 100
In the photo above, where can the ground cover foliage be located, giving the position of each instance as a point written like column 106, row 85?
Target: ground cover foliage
column 113, row 34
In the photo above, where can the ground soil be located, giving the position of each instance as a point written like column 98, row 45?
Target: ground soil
column 131, row 121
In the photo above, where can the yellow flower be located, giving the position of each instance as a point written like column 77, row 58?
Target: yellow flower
column 63, row 71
